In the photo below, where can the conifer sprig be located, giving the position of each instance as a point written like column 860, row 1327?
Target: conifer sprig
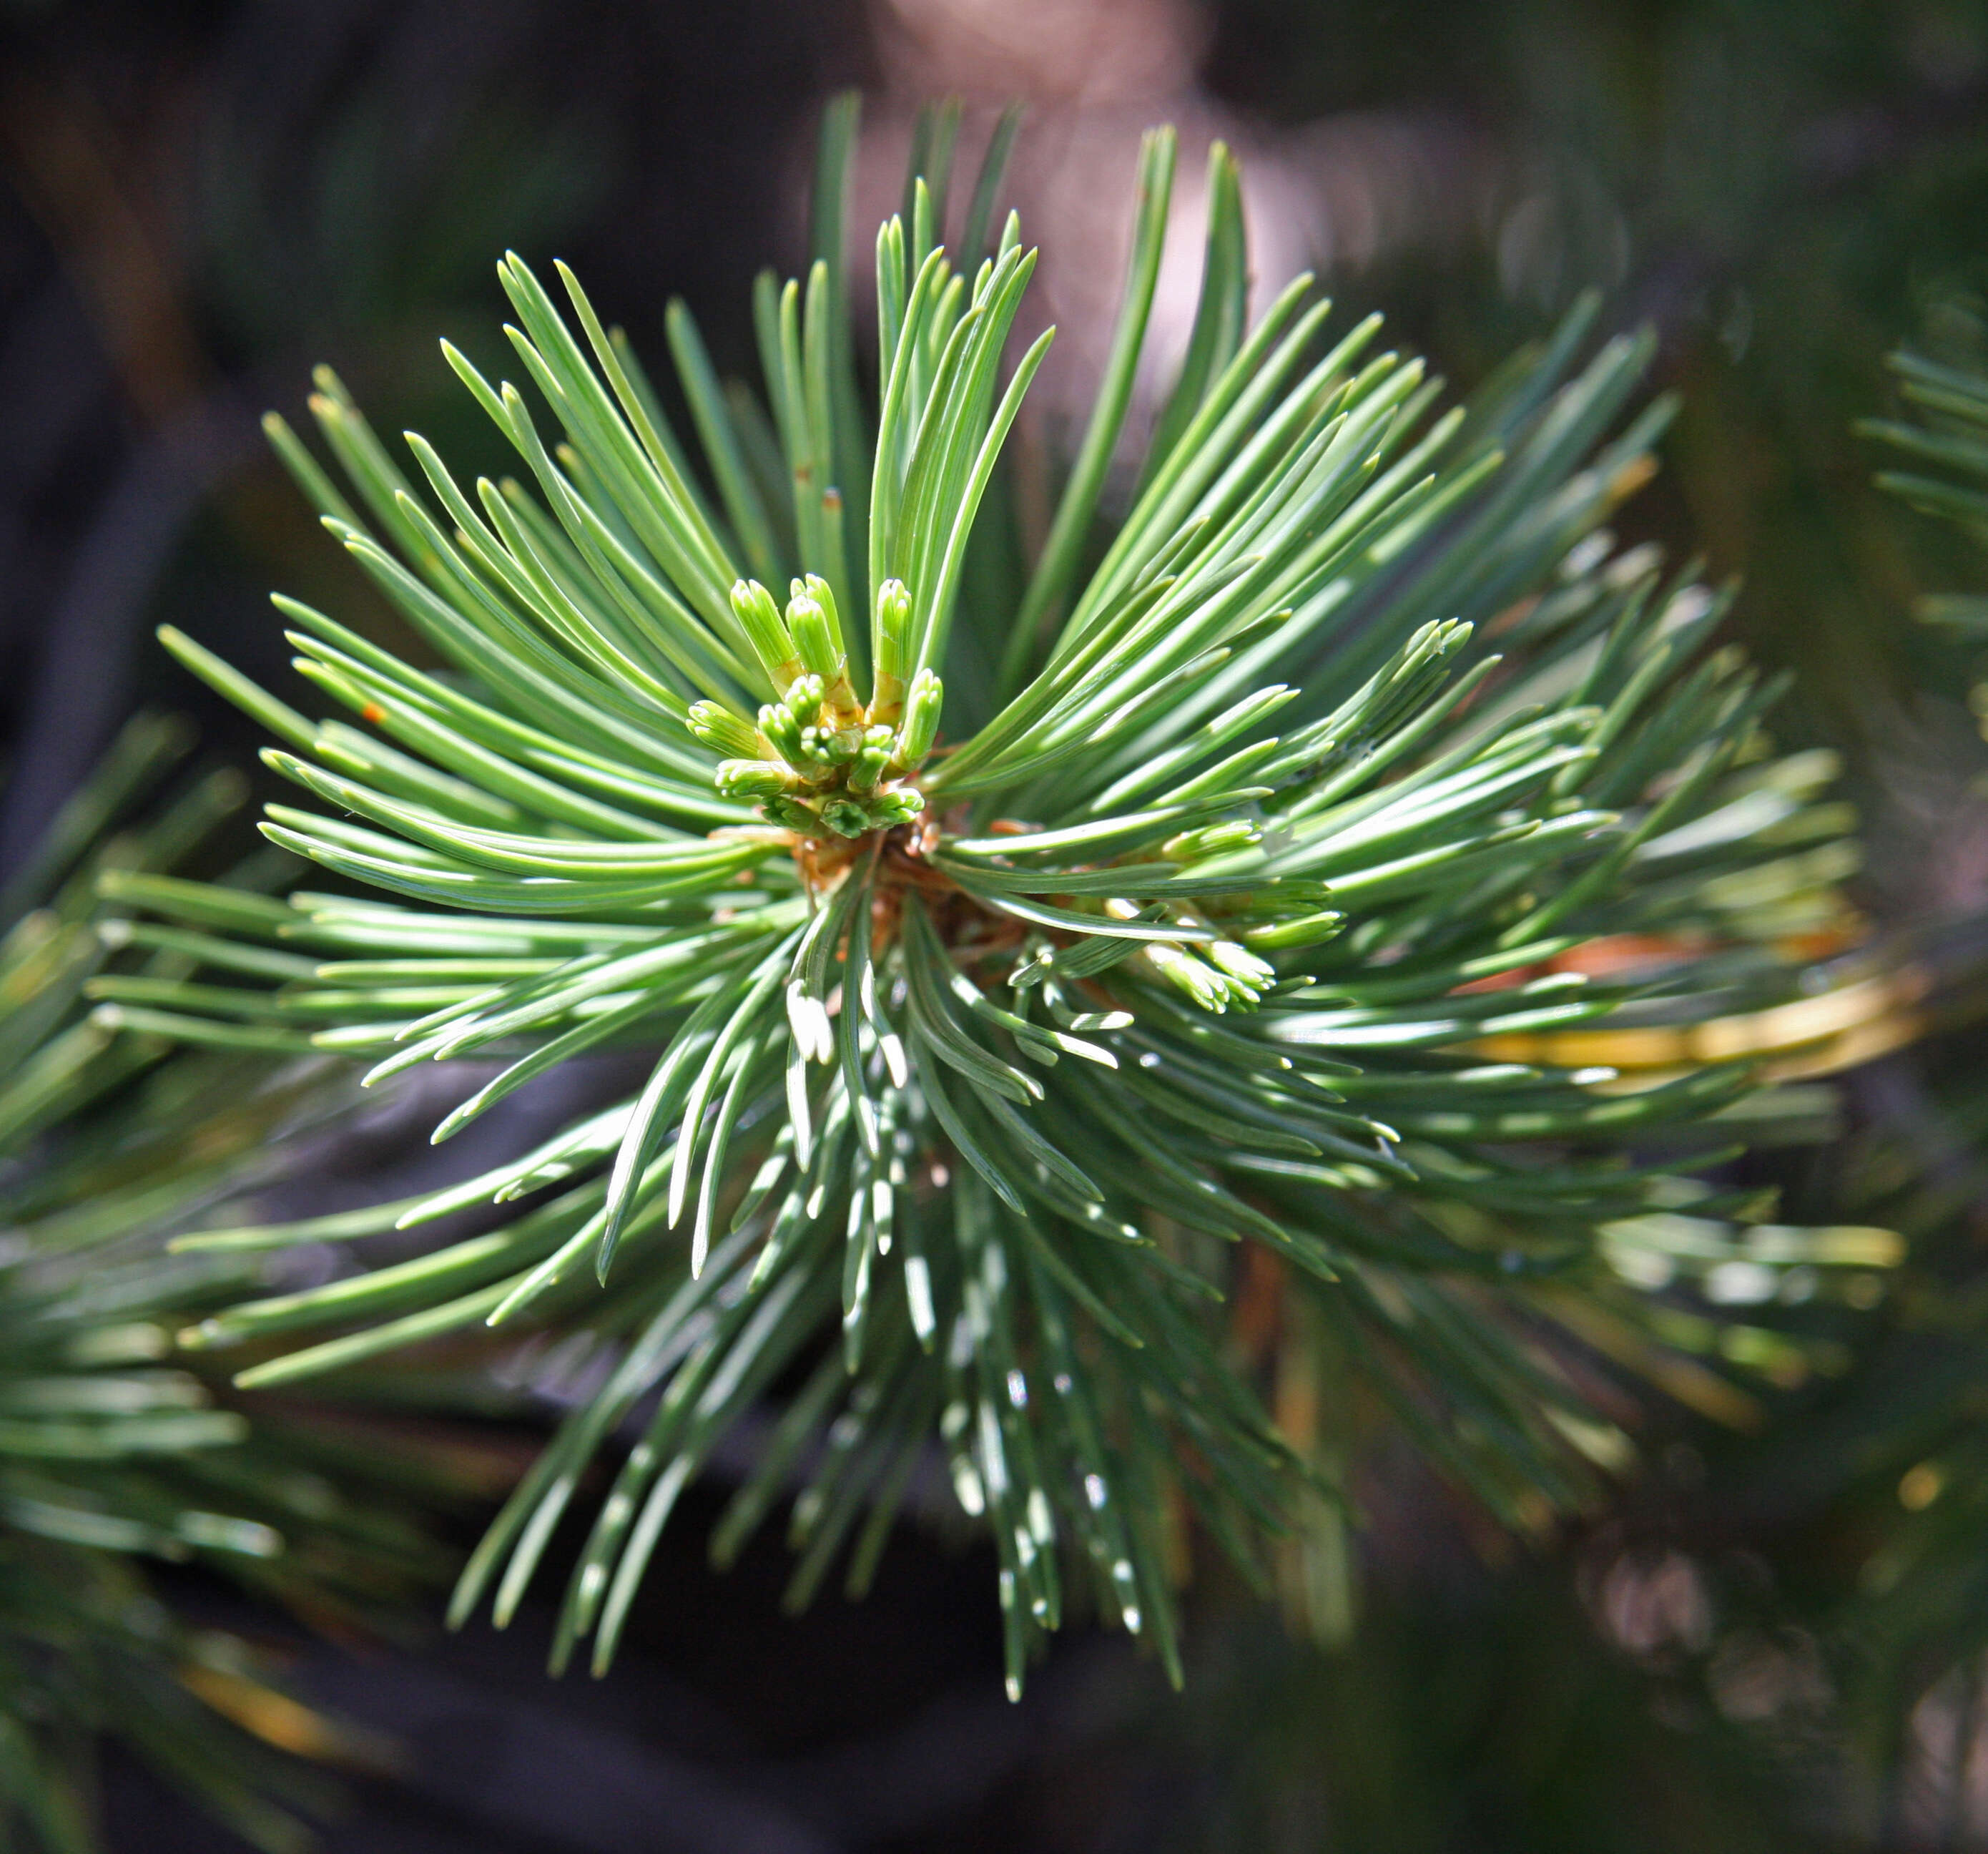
column 1914, row 1452
column 1940, row 461
column 113, row 1454
column 1019, row 940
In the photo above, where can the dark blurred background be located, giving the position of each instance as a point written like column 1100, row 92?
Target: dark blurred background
column 200, row 201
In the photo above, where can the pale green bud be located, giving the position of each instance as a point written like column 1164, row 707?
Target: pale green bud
column 878, row 742
column 1243, row 965
column 752, row 779
column 1201, row 982
column 1211, row 840
column 894, row 621
column 1302, row 930
column 897, row 807
column 759, row 617
column 793, row 814
column 833, row 746
column 845, row 817
column 808, row 623
column 817, row 637
column 777, row 723
column 823, row 595
column 720, row 729
column 921, row 713
column 804, row 699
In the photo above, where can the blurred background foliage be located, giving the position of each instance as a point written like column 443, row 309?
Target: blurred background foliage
column 202, row 199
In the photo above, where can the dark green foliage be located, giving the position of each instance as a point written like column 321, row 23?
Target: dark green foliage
column 111, row 1452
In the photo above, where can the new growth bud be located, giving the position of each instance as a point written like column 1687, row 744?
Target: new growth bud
column 1211, row 840
column 819, row 590
column 845, row 817
column 752, row 779
column 759, row 617
column 830, row 746
column 874, row 755
column 783, row 734
column 1241, row 964
column 897, row 807
column 793, row 814
column 817, row 635
column 837, row 756
column 893, row 620
column 808, row 625
column 723, row 732
column 921, row 713
column 1209, row 986
column 1303, row 930
column 1201, row 982
column 804, row 699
